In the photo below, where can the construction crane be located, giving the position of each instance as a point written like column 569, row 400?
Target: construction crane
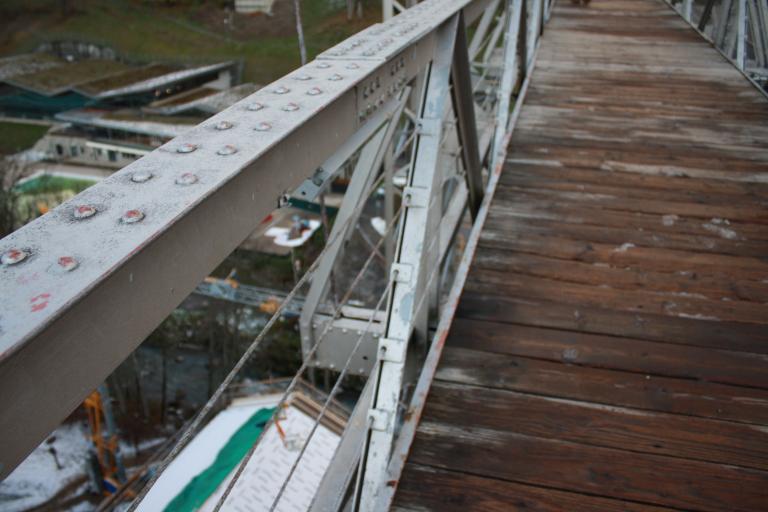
column 105, row 464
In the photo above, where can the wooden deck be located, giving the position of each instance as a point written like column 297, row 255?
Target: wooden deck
column 611, row 350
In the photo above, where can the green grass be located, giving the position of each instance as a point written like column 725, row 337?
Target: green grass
column 142, row 32
column 52, row 184
column 15, row 137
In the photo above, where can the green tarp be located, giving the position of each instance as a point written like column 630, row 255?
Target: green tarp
column 203, row 485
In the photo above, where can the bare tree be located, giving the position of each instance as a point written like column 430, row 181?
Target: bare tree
column 10, row 174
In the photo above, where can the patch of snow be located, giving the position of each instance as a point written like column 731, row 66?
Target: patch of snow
column 624, row 247
column 718, row 229
column 669, row 220
column 38, row 479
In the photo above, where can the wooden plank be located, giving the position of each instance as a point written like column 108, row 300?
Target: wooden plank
column 625, row 354
column 592, row 422
column 642, row 478
column 718, row 286
column 582, row 318
column 681, row 305
column 609, row 387
column 423, row 488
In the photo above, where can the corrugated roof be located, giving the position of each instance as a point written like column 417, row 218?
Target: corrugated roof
column 62, row 78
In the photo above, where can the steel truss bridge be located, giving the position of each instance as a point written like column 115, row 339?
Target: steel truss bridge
column 603, row 175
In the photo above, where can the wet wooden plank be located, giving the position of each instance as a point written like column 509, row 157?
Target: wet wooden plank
column 638, row 477
column 642, row 391
column 424, row 488
column 667, row 359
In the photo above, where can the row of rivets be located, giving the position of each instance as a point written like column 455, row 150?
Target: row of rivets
column 14, row 256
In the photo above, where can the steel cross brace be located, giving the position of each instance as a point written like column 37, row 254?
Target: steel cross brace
column 365, row 173
column 418, row 229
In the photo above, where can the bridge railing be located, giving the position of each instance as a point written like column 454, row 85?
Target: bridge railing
column 738, row 28
column 420, row 107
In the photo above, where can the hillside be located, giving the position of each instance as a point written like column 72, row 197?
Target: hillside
column 182, row 31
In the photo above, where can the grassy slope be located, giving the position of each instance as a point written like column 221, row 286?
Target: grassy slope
column 15, row 137
column 142, row 32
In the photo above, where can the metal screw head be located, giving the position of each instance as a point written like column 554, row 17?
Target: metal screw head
column 255, row 106
column 13, row 256
column 186, row 148
column 281, row 89
column 141, row 176
column 335, row 77
column 263, row 127
column 291, row 107
column 223, row 125
column 132, row 217
column 352, row 65
column 314, row 91
column 187, row 178
column 227, row 150
column 67, row 263
column 302, row 77
column 369, row 53
column 323, row 65
column 83, row 211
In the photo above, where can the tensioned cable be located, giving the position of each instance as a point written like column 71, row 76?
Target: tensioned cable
column 186, row 437
column 305, row 363
column 331, row 394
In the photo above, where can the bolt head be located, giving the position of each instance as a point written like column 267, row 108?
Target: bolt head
column 13, row 256
column 290, row 107
column 281, row 89
column 187, row 178
column 186, row 148
column 263, row 127
column 83, row 211
column 141, row 176
column 314, row 91
column 255, row 106
column 132, row 217
column 302, row 77
column 67, row 263
column 323, row 65
column 223, row 125
column 227, row 150
column 335, row 77
column 352, row 65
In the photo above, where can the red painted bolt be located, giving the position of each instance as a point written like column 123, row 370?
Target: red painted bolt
column 68, row 263
column 83, row 211
column 13, row 256
column 132, row 217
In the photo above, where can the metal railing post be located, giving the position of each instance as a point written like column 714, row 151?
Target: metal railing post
column 410, row 269
column 741, row 34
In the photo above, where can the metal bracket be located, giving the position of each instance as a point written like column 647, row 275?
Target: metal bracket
column 379, row 419
column 401, row 273
column 392, row 350
column 415, row 197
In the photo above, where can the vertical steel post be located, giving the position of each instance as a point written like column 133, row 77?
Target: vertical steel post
column 464, row 107
column 514, row 8
column 741, row 34
column 687, row 10
column 422, row 198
